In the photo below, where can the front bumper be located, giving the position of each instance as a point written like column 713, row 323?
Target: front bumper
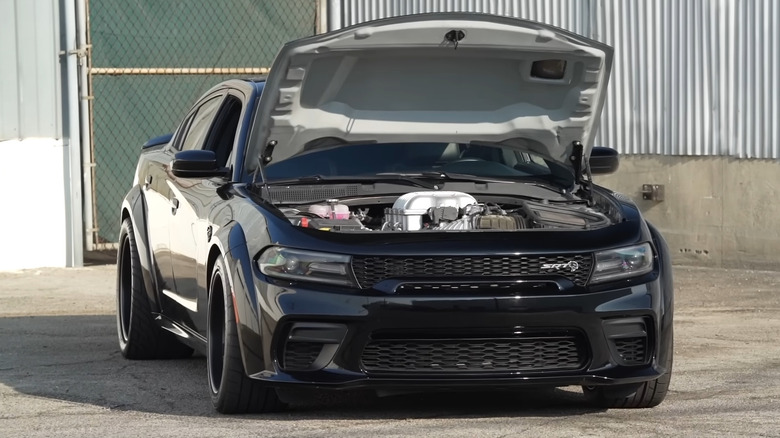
column 348, row 340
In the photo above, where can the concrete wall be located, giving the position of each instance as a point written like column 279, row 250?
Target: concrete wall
column 717, row 211
column 33, row 204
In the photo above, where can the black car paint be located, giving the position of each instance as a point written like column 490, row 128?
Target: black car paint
column 237, row 223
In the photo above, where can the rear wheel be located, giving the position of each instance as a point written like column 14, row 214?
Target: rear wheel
column 232, row 391
column 139, row 336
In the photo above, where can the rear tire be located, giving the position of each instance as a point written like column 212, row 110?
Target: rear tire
column 232, row 391
column 139, row 336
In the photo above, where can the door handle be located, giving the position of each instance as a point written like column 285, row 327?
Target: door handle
column 147, row 181
column 174, row 205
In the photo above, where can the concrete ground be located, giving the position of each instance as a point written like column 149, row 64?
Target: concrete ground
column 61, row 374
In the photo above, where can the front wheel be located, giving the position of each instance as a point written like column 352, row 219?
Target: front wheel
column 232, row 391
column 631, row 396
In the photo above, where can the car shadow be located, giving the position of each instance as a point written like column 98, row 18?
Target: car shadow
column 76, row 358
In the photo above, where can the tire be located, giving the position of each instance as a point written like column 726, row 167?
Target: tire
column 139, row 336
column 632, row 396
column 232, row 391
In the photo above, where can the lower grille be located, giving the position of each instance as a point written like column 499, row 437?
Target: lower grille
column 633, row 351
column 300, row 356
column 530, row 354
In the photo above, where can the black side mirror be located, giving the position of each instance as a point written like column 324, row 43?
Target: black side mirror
column 196, row 164
column 603, row 160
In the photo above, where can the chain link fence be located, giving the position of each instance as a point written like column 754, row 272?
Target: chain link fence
column 151, row 59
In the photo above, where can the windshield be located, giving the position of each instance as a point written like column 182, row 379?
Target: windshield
column 479, row 160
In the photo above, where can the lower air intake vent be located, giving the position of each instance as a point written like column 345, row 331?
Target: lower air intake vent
column 530, row 354
column 633, row 351
column 300, row 356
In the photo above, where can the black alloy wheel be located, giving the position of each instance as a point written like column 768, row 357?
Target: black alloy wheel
column 139, row 336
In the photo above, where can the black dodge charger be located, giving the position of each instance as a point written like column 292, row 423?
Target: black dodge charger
column 400, row 205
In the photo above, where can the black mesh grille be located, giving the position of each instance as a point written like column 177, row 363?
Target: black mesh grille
column 311, row 193
column 531, row 354
column 299, row 356
column 371, row 270
column 633, row 351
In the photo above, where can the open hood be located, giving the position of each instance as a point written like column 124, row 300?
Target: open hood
column 449, row 77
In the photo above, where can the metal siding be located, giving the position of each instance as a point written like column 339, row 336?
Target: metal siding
column 29, row 84
column 568, row 14
column 691, row 77
column 664, row 96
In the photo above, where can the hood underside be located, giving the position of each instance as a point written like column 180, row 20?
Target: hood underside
column 435, row 77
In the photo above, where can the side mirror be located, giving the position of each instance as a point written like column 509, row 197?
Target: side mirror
column 196, row 164
column 603, row 160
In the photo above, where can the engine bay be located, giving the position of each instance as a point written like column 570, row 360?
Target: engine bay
column 446, row 211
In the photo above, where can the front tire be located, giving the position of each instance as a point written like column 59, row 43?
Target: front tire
column 232, row 391
column 633, row 396
column 139, row 336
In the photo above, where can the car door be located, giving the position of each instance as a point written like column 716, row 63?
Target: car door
column 191, row 135
column 156, row 196
column 195, row 199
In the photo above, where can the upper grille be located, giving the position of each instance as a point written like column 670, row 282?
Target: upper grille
column 371, row 270
column 530, row 354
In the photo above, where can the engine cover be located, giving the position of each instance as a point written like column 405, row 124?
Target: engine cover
column 408, row 210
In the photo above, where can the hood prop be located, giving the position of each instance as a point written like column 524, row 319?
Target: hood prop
column 264, row 159
column 582, row 174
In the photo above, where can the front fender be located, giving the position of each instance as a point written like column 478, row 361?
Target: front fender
column 231, row 242
column 666, row 322
column 134, row 207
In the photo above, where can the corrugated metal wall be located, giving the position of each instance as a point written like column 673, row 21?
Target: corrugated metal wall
column 691, row 77
column 30, row 102
column 568, row 14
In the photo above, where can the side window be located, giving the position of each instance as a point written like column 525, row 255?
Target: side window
column 200, row 124
column 223, row 135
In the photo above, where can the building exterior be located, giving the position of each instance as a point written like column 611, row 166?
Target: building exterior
column 40, row 169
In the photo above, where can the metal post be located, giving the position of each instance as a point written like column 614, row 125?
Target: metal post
column 73, row 202
column 85, row 104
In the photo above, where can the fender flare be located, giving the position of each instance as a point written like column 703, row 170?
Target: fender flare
column 134, row 207
column 666, row 323
column 230, row 241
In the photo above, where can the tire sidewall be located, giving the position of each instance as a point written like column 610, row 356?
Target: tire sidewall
column 126, row 242
column 223, row 299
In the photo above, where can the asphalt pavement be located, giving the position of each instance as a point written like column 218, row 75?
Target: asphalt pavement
column 61, row 375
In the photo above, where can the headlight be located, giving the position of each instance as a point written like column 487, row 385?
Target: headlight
column 299, row 265
column 615, row 264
